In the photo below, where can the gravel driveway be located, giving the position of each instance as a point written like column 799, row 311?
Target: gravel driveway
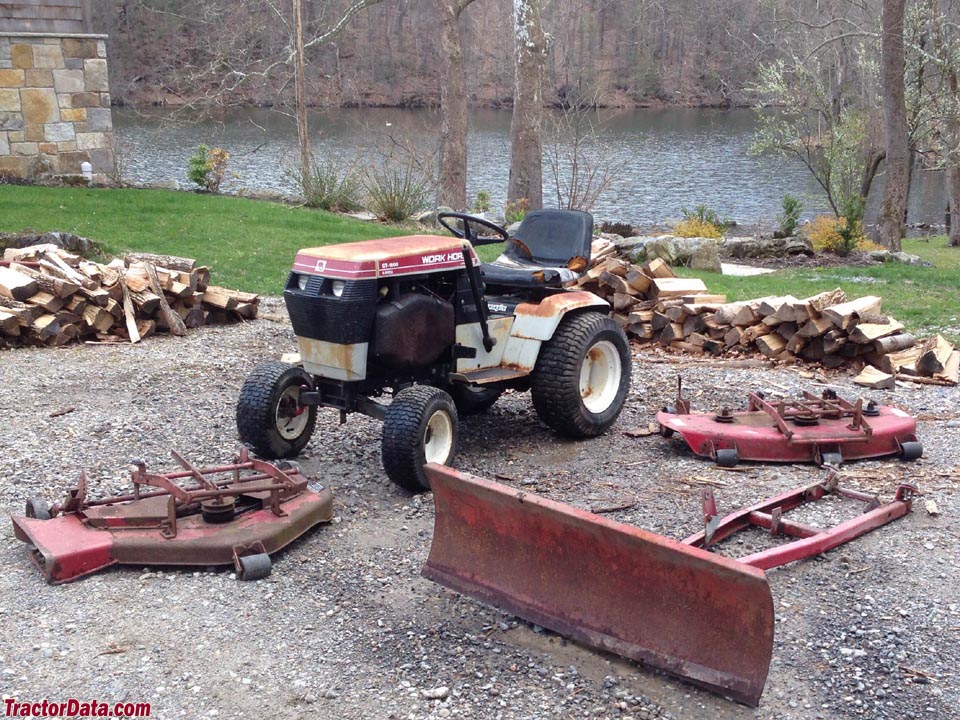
column 345, row 627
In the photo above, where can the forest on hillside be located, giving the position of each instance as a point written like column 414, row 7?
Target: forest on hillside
column 615, row 53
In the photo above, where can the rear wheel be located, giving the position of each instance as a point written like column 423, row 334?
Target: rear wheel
column 421, row 426
column 473, row 399
column 270, row 418
column 582, row 376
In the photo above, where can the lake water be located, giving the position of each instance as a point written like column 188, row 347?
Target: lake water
column 665, row 160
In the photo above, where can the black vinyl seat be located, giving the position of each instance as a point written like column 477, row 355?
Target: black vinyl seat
column 550, row 248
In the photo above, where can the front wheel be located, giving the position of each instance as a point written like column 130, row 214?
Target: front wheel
column 270, row 418
column 582, row 375
column 421, row 426
column 473, row 399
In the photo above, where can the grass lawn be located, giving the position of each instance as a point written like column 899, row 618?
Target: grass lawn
column 925, row 299
column 248, row 244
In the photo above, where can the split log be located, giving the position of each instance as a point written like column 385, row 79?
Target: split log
column 224, row 299
column 951, row 369
column 815, row 327
column 15, row 285
column 846, row 314
column 172, row 321
column 771, row 344
column 97, row 319
column 672, row 332
column 694, row 324
column 638, row 281
column 753, row 332
column 705, row 299
column 814, row 305
column 45, row 326
column 934, row 354
column 615, row 283
column 9, row 324
column 49, row 302
column 871, row 377
column 771, row 305
column 173, row 262
column 147, row 302
column 621, row 302
column 868, row 332
column 674, row 287
column 732, row 337
column 657, row 268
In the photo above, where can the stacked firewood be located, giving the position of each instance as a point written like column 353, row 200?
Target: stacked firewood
column 49, row 296
column 653, row 305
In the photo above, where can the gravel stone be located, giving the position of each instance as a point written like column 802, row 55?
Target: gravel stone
column 346, row 627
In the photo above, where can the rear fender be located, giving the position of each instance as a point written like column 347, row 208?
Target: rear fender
column 535, row 323
column 538, row 321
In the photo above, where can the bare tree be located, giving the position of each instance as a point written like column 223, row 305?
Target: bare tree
column 890, row 228
column 580, row 169
column 526, row 152
column 452, row 186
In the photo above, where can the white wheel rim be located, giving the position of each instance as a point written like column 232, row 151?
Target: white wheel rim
column 600, row 376
column 290, row 418
column 438, row 438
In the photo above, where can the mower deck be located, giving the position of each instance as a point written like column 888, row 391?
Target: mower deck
column 825, row 430
column 256, row 510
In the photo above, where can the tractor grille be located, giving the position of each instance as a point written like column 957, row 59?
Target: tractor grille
column 317, row 313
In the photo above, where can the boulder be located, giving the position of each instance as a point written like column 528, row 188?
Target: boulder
column 753, row 247
column 901, row 257
column 67, row 241
column 699, row 253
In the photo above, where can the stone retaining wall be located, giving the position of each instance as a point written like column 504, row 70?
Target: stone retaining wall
column 54, row 106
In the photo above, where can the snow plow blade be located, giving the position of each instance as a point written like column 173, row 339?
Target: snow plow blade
column 685, row 611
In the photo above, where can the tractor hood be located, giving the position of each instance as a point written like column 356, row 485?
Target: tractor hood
column 371, row 259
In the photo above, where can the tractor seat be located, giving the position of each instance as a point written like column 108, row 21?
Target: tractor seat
column 550, row 248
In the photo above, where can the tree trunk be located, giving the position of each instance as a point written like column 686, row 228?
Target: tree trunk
column 526, row 152
column 953, row 161
column 306, row 169
column 452, row 187
column 890, row 226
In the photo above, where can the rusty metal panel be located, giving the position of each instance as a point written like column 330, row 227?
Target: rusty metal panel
column 680, row 609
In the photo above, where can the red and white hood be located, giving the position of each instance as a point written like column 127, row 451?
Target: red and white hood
column 387, row 257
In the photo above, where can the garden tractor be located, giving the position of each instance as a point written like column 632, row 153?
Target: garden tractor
column 419, row 318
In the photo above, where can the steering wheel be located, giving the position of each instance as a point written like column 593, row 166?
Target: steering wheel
column 469, row 231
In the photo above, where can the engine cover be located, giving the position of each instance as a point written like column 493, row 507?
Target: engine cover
column 412, row 331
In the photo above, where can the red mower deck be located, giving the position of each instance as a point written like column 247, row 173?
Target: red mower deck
column 252, row 509
column 825, row 430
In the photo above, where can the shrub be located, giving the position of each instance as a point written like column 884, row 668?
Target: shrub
column 331, row 187
column 701, row 222
column 396, row 192
column 692, row 227
column 790, row 218
column 482, row 203
column 516, row 210
column 207, row 168
column 827, row 233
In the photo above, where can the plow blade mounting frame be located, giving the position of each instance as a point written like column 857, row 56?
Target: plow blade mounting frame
column 688, row 612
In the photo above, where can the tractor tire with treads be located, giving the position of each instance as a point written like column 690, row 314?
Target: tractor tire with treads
column 473, row 399
column 421, row 426
column 582, row 376
column 269, row 417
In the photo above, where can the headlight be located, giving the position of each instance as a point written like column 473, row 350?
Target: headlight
column 337, row 287
column 302, row 281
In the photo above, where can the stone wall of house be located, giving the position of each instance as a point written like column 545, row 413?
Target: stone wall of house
column 54, row 106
